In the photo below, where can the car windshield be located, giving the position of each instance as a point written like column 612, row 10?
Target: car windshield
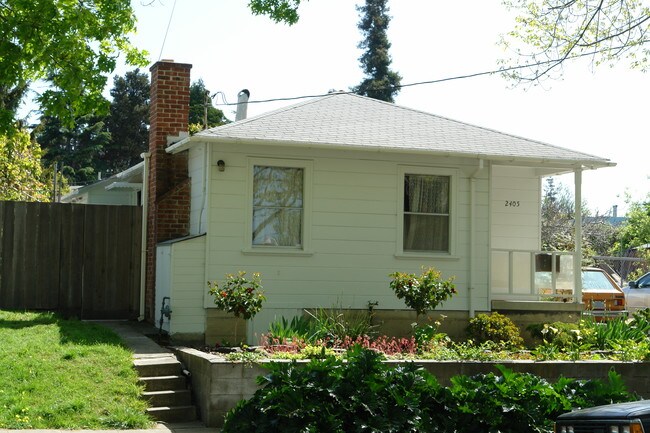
column 596, row 281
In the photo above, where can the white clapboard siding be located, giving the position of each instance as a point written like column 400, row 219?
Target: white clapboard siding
column 188, row 286
column 353, row 220
column 515, row 196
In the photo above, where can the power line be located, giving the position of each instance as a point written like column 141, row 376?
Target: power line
column 420, row 83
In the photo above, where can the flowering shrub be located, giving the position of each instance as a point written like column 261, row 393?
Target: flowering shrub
column 238, row 295
column 422, row 293
column 383, row 344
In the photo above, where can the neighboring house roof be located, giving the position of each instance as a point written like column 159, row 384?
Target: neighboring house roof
column 343, row 120
column 131, row 178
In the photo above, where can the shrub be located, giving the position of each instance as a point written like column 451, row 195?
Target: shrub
column 364, row 394
column 335, row 324
column 239, row 295
column 495, row 327
column 299, row 328
column 562, row 336
column 520, row 402
column 332, row 395
column 423, row 293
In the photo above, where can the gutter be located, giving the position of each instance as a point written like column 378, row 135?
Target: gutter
column 562, row 164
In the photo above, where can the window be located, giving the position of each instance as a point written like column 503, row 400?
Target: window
column 427, row 211
column 278, row 206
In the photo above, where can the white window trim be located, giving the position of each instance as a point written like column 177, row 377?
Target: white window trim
column 403, row 170
column 308, row 169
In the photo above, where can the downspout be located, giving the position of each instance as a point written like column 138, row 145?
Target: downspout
column 143, row 240
column 577, row 255
column 206, row 178
column 472, row 238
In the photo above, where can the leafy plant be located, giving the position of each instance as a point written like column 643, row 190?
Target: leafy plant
column 497, row 328
column 335, row 324
column 239, row 295
column 332, row 395
column 300, row 327
column 423, row 293
column 516, row 402
column 560, row 335
column 362, row 394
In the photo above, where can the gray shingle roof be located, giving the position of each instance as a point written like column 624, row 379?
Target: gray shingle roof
column 350, row 121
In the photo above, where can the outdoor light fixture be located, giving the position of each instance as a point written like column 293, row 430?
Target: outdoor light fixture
column 221, row 165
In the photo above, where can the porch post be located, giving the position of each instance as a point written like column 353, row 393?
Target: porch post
column 577, row 255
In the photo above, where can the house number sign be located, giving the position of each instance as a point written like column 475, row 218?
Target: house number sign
column 512, row 203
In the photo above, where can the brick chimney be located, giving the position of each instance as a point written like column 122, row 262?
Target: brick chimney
column 168, row 213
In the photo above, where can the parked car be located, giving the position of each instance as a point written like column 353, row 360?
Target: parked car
column 633, row 417
column 602, row 296
column 637, row 293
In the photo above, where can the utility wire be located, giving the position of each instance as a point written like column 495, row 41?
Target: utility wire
column 171, row 15
column 419, row 83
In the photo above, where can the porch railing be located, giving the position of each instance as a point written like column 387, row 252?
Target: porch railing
column 532, row 275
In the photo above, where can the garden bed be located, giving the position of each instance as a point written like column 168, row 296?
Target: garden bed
column 218, row 384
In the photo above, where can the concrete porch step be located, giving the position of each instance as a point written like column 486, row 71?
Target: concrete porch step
column 154, row 367
column 161, row 383
column 173, row 414
column 168, row 398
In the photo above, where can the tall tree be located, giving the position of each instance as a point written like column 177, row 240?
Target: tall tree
column 381, row 82
column 549, row 32
column 278, row 10
column 199, row 101
column 77, row 150
column 127, row 122
column 558, row 222
column 636, row 229
column 70, row 45
column 21, row 174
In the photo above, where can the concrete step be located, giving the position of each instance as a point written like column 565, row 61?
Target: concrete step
column 164, row 366
column 181, row 397
column 173, row 414
column 161, row 383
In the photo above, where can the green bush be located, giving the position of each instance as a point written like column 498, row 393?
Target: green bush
column 423, row 293
column 562, row 336
column 300, row 328
column 239, row 295
column 366, row 395
column 332, row 395
column 496, row 328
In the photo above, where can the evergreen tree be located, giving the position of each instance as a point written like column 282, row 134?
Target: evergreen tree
column 76, row 150
column 128, row 122
column 199, row 97
column 381, row 82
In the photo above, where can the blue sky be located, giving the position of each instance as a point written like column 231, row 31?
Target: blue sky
column 601, row 112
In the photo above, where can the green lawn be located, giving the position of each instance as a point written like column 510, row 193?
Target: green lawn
column 65, row 374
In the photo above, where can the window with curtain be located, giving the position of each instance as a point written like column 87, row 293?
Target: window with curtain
column 426, row 213
column 277, row 206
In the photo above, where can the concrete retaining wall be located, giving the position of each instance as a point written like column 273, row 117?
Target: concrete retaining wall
column 217, row 385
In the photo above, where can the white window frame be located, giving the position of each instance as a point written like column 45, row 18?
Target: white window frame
column 403, row 170
column 305, row 248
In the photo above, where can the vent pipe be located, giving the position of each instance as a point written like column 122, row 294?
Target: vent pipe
column 242, row 104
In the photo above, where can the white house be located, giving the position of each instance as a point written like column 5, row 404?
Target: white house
column 326, row 197
column 124, row 188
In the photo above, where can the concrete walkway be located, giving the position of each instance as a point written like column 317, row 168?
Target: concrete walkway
column 134, row 335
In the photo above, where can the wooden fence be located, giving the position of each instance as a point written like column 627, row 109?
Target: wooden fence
column 79, row 260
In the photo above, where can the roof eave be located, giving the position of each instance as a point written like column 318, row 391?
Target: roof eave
column 560, row 164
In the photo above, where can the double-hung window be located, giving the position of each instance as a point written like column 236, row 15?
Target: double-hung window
column 427, row 207
column 279, row 205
